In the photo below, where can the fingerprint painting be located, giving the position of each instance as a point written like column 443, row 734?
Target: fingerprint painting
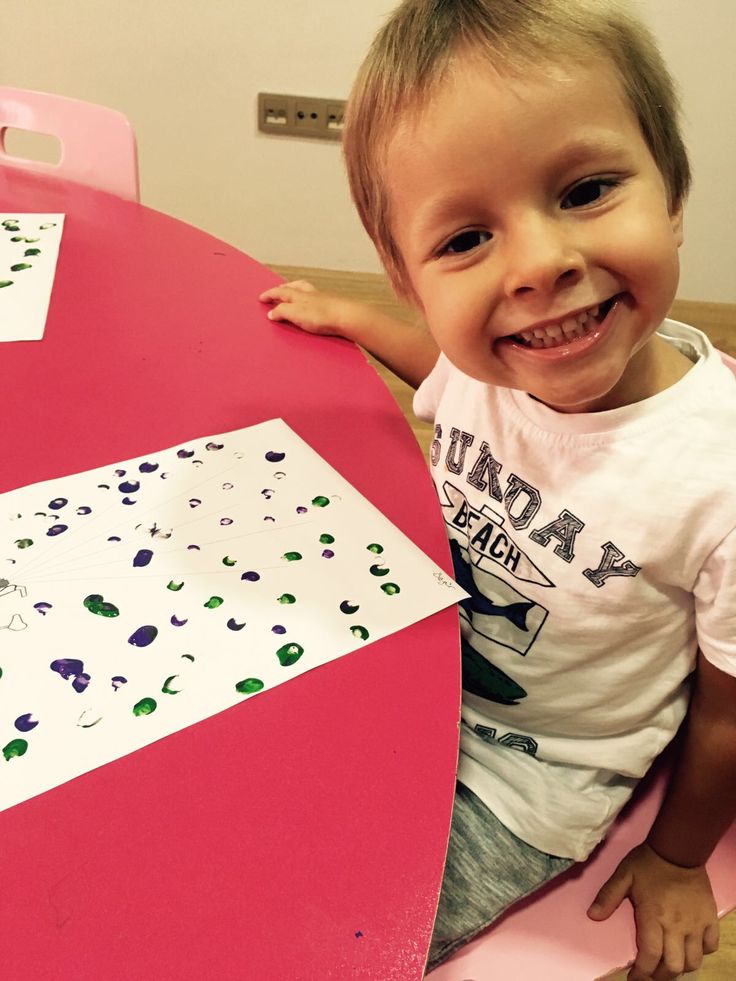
column 29, row 247
column 145, row 596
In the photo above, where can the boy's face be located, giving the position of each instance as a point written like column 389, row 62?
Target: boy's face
column 537, row 235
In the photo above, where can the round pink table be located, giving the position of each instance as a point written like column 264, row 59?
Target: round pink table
column 298, row 836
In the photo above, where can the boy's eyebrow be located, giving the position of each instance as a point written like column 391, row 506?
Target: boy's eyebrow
column 582, row 150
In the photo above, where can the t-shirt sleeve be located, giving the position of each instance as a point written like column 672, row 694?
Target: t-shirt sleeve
column 427, row 396
column 715, row 606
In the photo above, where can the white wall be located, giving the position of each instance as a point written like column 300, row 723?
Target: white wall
column 186, row 73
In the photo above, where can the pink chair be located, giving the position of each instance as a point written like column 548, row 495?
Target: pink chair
column 98, row 144
column 549, row 935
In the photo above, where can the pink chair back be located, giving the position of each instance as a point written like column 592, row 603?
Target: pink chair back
column 728, row 361
column 98, row 143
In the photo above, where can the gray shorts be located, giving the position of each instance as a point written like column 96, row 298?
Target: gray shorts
column 487, row 870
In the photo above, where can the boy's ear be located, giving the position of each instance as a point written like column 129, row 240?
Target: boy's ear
column 677, row 221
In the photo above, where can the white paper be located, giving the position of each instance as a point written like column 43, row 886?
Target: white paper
column 145, row 596
column 29, row 248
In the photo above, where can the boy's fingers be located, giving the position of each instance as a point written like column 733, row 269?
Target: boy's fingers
column 711, row 938
column 649, row 951
column 694, row 949
column 609, row 898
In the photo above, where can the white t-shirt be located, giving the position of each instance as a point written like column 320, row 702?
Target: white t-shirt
column 600, row 551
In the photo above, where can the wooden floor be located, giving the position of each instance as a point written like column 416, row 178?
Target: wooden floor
column 717, row 320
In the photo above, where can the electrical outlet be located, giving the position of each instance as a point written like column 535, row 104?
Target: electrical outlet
column 299, row 115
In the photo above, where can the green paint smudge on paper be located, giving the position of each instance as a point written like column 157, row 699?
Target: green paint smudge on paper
column 15, row 748
column 213, row 602
column 145, row 707
column 249, row 686
column 289, row 654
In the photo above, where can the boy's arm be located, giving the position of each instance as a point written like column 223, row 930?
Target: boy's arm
column 665, row 878
column 406, row 349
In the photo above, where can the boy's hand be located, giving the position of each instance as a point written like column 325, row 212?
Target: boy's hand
column 675, row 913
column 301, row 304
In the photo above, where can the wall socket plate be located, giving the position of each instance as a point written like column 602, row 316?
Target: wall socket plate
column 300, row 115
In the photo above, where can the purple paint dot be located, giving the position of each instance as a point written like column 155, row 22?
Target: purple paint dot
column 118, row 681
column 114, row 538
column 177, row 622
column 42, row 607
column 143, row 636
column 233, row 624
column 24, row 723
column 185, row 454
column 56, row 530
column 226, row 521
column 214, row 446
column 301, row 509
column 84, row 510
column 194, row 502
column 119, row 473
column 58, row 503
column 103, row 487
column 128, row 500
column 274, row 457
column 250, row 576
column 193, row 548
column 142, row 559
column 268, row 517
column 67, row 667
column 80, row 682
column 129, row 486
column 148, row 467
column 278, row 629
column 227, row 485
column 328, row 554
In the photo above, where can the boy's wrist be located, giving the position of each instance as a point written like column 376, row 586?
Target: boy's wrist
column 673, row 858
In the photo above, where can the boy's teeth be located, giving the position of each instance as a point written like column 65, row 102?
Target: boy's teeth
column 556, row 334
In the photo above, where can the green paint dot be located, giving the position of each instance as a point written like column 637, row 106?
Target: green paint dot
column 228, row 561
column 31, row 240
column 166, row 687
column 326, row 539
column 375, row 548
column 249, row 685
column 5, row 282
column 32, row 252
column 24, row 542
column 287, row 599
column 16, row 747
column 390, row 588
column 360, row 632
column 1, row 672
column 213, row 602
column 379, row 570
column 145, row 706
column 17, row 238
column 9, row 221
column 175, row 586
column 291, row 556
column 289, row 654
column 320, row 501
column 20, row 266
column 96, row 604
column 49, row 224
column 347, row 607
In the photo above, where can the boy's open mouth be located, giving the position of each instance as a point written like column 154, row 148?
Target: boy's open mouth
column 566, row 331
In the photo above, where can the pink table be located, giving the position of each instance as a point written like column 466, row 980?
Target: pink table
column 301, row 835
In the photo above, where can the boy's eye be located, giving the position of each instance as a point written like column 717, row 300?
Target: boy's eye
column 465, row 242
column 587, row 192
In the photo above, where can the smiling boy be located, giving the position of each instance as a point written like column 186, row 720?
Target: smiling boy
column 519, row 166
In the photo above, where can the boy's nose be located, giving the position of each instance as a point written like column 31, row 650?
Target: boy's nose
column 541, row 258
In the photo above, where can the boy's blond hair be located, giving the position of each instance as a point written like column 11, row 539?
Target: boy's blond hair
column 412, row 54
